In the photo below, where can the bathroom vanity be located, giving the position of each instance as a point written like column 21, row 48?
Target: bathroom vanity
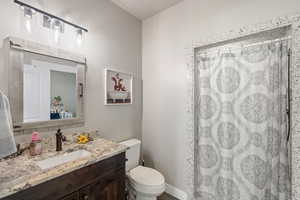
column 97, row 175
column 102, row 180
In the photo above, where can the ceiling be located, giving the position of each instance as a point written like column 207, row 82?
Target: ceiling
column 143, row 9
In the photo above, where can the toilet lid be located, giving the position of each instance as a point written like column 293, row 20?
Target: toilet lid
column 146, row 176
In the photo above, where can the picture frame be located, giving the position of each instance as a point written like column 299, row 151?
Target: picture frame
column 118, row 87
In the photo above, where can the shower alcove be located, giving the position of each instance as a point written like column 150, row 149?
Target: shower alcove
column 243, row 107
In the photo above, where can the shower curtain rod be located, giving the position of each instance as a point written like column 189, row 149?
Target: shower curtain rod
column 241, row 46
column 268, row 41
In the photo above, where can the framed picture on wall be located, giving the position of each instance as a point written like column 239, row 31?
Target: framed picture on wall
column 118, row 87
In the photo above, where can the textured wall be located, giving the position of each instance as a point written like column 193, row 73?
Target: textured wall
column 296, row 112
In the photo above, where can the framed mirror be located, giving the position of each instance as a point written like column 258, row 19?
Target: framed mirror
column 45, row 85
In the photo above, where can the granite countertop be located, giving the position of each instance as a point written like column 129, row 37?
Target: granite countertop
column 21, row 173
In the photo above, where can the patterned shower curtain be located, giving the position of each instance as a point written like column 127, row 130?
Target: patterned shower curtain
column 241, row 148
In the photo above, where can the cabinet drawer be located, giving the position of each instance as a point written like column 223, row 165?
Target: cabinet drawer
column 110, row 187
column 73, row 196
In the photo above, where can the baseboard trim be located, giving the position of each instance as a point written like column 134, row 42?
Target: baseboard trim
column 175, row 192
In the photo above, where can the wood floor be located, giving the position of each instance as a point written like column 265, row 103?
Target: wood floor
column 166, row 196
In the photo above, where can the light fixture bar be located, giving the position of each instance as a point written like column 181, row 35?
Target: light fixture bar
column 50, row 15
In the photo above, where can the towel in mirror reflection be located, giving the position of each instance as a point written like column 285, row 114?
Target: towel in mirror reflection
column 7, row 141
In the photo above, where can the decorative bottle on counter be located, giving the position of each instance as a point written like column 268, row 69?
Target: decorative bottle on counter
column 35, row 146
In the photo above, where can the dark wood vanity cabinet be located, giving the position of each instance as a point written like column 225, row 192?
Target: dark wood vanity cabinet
column 110, row 187
column 101, row 181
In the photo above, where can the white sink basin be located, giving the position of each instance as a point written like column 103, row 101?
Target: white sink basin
column 61, row 159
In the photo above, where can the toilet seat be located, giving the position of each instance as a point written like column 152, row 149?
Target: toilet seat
column 146, row 180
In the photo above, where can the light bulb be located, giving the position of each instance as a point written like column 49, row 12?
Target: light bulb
column 28, row 25
column 79, row 37
column 28, row 13
column 57, row 29
column 56, row 35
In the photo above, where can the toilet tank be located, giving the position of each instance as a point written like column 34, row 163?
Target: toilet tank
column 132, row 153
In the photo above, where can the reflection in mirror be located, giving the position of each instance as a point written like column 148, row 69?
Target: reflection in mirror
column 49, row 89
column 63, row 95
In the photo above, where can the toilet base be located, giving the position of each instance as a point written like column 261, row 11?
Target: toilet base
column 145, row 197
column 141, row 196
column 135, row 195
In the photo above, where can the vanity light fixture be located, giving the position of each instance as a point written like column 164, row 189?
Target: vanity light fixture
column 28, row 14
column 57, row 23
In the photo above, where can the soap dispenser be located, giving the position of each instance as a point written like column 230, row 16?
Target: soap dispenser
column 35, row 146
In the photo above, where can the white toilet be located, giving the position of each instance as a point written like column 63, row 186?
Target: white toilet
column 143, row 183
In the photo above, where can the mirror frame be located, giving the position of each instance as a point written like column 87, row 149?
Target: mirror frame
column 14, row 50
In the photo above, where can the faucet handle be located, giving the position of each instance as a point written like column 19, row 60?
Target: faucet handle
column 63, row 138
column 59, row 133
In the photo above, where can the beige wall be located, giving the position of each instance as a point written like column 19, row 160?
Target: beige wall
column 114, row 38
column 165, row 37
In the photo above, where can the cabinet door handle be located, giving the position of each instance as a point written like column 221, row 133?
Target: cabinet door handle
column 81, row 89
column 17, row 126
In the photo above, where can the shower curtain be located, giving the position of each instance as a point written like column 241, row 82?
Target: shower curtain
column 241, row 148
